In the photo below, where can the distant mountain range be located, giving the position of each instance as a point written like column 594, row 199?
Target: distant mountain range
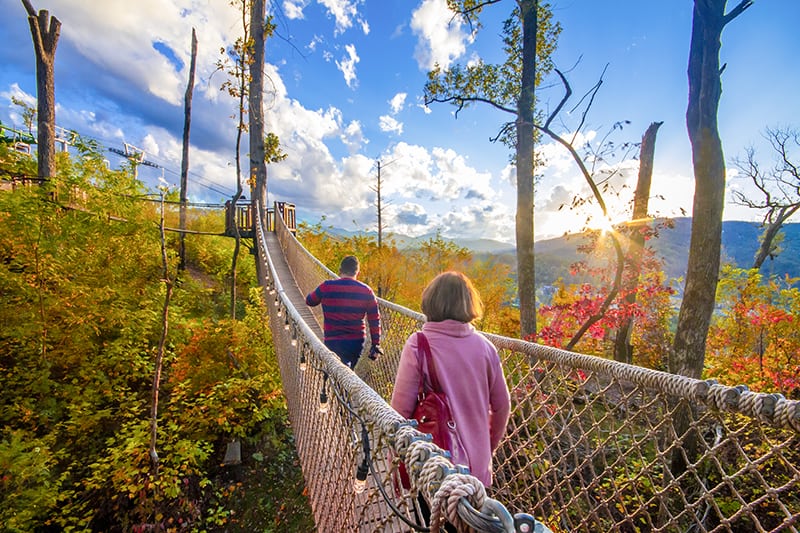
column 740, row 241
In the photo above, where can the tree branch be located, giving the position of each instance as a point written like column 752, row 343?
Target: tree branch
column 466, row 14
column 462, row 100
column 29, row 8
column 592, row 93
column 736, row 11
column 612, row 293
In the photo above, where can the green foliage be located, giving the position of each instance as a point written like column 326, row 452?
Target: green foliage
column 80, row 303
column 272, row 149
column 28, row 488
column 27, row 111
column 498, row 84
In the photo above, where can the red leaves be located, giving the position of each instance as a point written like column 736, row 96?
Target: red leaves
column 755, row 341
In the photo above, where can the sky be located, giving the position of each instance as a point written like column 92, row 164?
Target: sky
column 344, row 92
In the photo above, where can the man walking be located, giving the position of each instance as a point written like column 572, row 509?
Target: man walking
column 345, row 303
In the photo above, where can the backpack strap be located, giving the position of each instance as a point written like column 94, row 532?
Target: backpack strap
column 425, row 348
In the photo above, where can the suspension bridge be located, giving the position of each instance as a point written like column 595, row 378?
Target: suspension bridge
column 592, row 444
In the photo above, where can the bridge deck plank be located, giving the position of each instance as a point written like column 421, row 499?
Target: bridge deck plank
column 290, row 288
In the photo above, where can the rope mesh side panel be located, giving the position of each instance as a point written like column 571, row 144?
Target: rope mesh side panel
column 591, row 445
column 329, row 444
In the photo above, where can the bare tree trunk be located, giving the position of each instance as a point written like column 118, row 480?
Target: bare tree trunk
column 623, row 349
column 526, row 277
column 168, row 282
column 258, row 165
column 241, row 73
column 187, row 121
column 705, row 88
column 768, row 244
column 45, row 31
column 237, row 235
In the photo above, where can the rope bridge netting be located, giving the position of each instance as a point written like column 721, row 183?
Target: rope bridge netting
column 592, row 445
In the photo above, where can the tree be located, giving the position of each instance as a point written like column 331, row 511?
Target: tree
column 260, row 29
column 45, row 31
column 28, row 113
column 237, row 62
column 243, row 61
column 187, row 122
column 82, row 298
column 594, row 305
column 529, row 37
column 780, row 187
column 687, row 356
column 705, row 88
column 623, row 349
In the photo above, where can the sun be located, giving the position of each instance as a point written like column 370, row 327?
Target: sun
column 603, row 224
column 596, row 220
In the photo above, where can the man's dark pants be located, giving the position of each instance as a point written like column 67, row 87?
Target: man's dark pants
column 348, row 350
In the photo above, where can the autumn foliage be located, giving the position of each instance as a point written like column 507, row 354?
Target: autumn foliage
column 573, row 303
column 755, row 338
column 80, row 303
column 400, row 276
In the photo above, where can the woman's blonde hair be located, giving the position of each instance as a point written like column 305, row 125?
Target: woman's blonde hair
column 451, row 295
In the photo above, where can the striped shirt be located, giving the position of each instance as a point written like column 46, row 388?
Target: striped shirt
column 345, row 303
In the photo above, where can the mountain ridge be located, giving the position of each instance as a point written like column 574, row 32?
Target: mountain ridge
column 740, row 242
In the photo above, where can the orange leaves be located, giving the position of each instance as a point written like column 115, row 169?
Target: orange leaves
column 755, row 339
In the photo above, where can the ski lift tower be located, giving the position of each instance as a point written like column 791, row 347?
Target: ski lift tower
column 135, row 156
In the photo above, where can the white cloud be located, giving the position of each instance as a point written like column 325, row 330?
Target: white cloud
column 150, row 145
column 316, row 40
column 388, row 124
column 133, row 29
column 293, row 9
column 353, row 137
column 441, row 37
column 397, row 102
column 426, row 190
column 345, row 12
column 460, row 178
column 474, row 60
column 348, row 65
column 407, row 218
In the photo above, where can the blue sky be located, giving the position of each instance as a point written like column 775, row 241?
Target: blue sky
column 344, row 91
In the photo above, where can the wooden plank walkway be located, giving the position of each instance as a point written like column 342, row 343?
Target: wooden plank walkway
column 288, row 283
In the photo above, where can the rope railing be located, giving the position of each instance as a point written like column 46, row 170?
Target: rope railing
column 592, row 444
column 348, row 439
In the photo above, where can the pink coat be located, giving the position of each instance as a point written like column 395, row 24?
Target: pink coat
column 471, row 376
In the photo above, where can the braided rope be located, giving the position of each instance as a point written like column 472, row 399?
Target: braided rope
column 771, row 408
column 445, row 501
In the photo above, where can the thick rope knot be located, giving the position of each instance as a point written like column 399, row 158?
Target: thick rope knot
column 787, row 413
column 433, row 469
column 423, row 460
column 403, row 438
column 724, row 398
column 445, row 501
column 759, row 405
